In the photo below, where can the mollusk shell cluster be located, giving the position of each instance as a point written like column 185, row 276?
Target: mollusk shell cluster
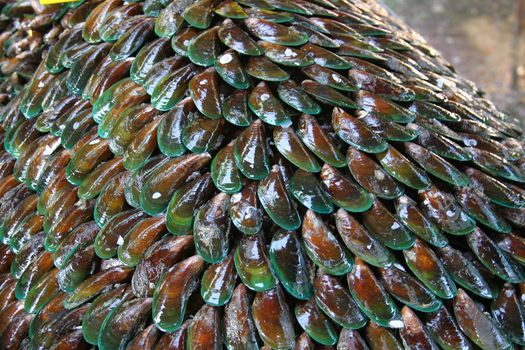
column 243, row 174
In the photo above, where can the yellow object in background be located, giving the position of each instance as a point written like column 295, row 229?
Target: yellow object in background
column 51, row 2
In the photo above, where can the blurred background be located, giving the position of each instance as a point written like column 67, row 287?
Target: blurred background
column 483, row 39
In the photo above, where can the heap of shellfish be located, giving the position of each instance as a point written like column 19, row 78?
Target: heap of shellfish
column 244, row 174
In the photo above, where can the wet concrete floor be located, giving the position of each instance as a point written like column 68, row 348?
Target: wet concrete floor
column 480, row 38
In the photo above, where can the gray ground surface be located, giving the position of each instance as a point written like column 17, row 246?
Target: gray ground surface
column 478, row 37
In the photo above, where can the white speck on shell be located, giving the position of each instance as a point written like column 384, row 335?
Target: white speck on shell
column 156, row 195
column 225, row 59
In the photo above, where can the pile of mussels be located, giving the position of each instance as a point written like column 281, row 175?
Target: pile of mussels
column 244, row 174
